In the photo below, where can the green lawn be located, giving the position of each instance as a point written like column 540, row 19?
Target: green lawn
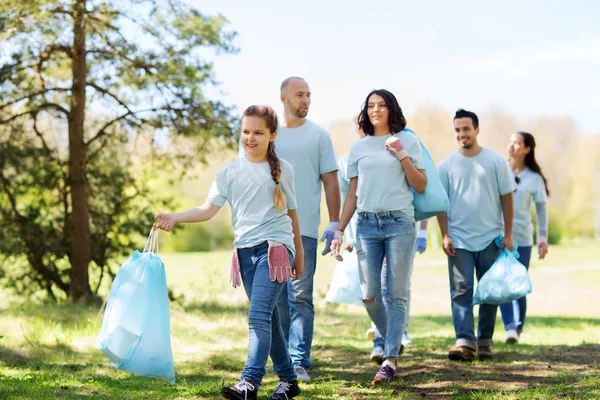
column 47, row 351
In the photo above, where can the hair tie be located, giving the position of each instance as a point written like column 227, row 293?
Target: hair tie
column 277, row 182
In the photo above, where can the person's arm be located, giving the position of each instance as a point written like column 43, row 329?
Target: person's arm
column 203, row 213
column 541, row 212
column 421, row 243
column 298, row 265
column 347, row 213
column 332, row 194
column 447, row 244
column 508, row 213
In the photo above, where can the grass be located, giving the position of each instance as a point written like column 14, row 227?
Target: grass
column 47, row 351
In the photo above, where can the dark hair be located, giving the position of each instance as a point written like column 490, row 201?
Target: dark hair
column 270, row 117
column 286, row 82
column 530, row 161
column 461, row 113
column 396, row 119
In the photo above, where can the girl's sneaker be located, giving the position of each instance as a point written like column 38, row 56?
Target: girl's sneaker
column 243, row 390
column 386, row 373
column 286, row 390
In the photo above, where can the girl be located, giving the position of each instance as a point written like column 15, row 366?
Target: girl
column 531, row 186
column 382, row 167
column 260, row 190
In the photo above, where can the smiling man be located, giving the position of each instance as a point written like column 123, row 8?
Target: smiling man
column 480, row 186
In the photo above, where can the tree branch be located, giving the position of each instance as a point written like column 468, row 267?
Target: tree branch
column 37, row 109
column 103, row 131
column 32, row 95
column 106, row 92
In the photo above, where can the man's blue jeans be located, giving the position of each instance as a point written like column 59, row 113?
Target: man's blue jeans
column 517, row 307
column 266, row 335
column 389, row 234
column 297, row 309
column 461, row 269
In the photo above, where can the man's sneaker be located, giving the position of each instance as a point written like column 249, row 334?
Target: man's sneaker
column 377, row 355
column 484, row 352
column 461, row 353
column 286, row 390
column 385, row 373
column 243, row 390
column 512, row 337
column 302, row 373
column 406, row 340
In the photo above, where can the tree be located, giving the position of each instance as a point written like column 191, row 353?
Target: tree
column 103, row 70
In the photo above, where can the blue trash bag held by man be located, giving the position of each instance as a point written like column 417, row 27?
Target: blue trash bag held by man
column 135, row 333
column 505, row 281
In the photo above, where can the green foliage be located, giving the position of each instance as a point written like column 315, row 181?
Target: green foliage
column 197, row 237
column 36, row 228
column 145, row 79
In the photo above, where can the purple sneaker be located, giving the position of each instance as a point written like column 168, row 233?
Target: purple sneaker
column 385, row 374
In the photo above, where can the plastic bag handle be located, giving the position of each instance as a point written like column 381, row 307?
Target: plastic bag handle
column 152, row 242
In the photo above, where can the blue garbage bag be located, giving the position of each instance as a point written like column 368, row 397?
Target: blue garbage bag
column 434, row 200
column 135, row 333
column 505, row 281
column 345, row 283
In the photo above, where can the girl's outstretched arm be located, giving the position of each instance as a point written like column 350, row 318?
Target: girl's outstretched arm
column 167, row 222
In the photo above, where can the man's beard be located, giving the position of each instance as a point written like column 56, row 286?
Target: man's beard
column 300, row 113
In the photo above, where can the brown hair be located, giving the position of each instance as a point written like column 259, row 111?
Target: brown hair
column 270, row 118
column 530, row 161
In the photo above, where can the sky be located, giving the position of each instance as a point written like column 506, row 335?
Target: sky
column 527, row 58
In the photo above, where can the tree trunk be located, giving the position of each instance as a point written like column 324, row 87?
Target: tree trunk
column 81, row 251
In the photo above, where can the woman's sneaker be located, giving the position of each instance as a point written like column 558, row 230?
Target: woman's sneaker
column 302, row 373
column 385, row 374
column 512, row 337
column 243, row 390
column 286, row 390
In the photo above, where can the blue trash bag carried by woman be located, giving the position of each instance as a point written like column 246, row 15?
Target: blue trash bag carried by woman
column 135, row 333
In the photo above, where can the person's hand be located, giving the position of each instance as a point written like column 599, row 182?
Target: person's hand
column 298, row 264
column 347, row 246
column 328, row 234
column 542, row 249
column 421, row 245
column 166, row 222
column 394, row 145
column 507, row 242
column 448, row 246
column 336, row 244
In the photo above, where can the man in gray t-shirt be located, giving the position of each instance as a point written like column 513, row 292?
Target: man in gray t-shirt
column 480, row 186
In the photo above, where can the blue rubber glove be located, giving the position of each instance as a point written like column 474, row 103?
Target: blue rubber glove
column 421, row 244
column 328, row 235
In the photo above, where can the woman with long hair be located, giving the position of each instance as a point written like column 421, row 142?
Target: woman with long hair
column 532, row 186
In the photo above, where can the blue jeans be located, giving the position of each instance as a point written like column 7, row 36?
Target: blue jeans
column 379, row 341
column 461, row 268
column 517, row 307
column 297, row 309
column 266, row 335
column 389, row 234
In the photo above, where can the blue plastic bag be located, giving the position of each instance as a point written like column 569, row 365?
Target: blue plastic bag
column 135, row 333
column 505, row 281
column 434, row 200
column 345, row 282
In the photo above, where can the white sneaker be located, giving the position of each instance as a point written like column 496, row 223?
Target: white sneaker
column 377, row 355
column 370, row 333
column 406, row 340
column 512, row 337
column 301, row 373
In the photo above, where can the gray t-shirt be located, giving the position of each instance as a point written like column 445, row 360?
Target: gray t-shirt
column 382, row 184
column 249, row 189
column 309, row 149
column 530, row 188
column 474, row 186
